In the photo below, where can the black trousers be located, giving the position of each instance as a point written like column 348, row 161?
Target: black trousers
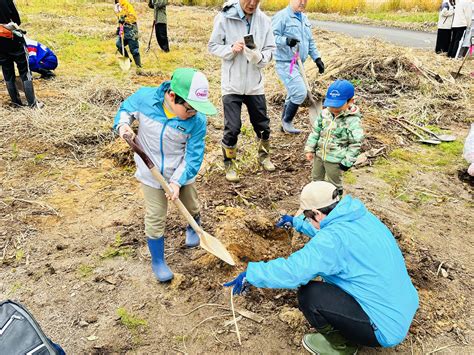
column 15, row 54
column 323, row 304
column 443, row 40
column 161, row 33
column 456, row 38
column 257, row 109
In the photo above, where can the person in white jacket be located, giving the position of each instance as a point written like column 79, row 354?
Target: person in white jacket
column 461, row 21
column 445, row 23
column 242, row 75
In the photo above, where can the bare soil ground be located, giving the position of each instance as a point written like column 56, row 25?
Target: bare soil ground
column 72, row 247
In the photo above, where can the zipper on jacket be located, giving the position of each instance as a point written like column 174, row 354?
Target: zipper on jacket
column 327, row 139
column 161, row 147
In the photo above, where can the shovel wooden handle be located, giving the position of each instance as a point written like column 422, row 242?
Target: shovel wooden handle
column 420, row 127
column 305, row 79
column 184, row 211
column 151, row 36
column 122, row 35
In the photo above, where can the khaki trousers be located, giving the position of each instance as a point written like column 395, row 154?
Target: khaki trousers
column 156, row 205
column 324, row 170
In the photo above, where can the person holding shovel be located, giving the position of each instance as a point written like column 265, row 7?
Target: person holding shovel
column 160, row 23
column 293, row 37
column 335, row 140
column 13, row 51
column 363, row 294
column 127, row 31
column 172, row 128
column 242, row 37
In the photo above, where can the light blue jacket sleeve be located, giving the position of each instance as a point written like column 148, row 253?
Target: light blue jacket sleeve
column 313, row 50
column 194, row 155
column 319, row 257
column 128, row 110
column 301, row 226
column 278, row 29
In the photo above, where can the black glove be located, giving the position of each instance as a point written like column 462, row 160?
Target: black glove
column 343, row 167
column 122, row 20
column 320, row 65
column 291, row 41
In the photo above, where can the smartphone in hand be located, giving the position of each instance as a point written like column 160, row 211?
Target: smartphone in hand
column 249, row 43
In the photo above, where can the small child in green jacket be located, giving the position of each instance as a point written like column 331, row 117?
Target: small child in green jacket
column 335, row 141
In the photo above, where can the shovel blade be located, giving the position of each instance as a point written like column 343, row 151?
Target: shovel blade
column 314, row 111
column 215, row 247
column 429, row 141
column 446, row 137
column 124, row 63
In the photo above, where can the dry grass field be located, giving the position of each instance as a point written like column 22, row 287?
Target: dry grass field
column 72, row 247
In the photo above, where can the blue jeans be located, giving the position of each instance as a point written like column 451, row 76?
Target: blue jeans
column 323, row 303
column 294, row 83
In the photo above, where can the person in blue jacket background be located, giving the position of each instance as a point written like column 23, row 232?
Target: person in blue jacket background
column 41, row 59
column 365, row 297
column 292, row 29
column 172, row 129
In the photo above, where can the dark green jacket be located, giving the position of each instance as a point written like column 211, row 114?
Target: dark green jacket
column 160, row 10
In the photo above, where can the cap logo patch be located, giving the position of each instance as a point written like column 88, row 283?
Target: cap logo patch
column 202, row 93
column 335, row 93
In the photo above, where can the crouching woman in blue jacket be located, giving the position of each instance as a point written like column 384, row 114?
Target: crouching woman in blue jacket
column 365, row 298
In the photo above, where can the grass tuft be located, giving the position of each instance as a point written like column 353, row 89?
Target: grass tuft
column 130, row 321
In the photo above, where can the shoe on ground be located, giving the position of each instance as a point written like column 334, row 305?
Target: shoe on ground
column 316, row 343
column 267, row 164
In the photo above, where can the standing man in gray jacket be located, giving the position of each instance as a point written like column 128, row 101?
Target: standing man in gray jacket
column 242, row 77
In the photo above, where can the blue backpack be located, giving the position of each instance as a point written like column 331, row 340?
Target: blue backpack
column 21, row 334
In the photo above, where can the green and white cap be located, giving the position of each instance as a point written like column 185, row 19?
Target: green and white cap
column 193, row 87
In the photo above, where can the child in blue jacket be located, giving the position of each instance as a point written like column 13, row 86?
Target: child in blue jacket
column 41, row 59
column 172, row 128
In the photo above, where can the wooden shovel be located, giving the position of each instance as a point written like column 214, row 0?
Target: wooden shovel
column 421, row 138
column 316, row 106
column 440, row 137
column 124, row 62
column 151, row 36
column 207, row 241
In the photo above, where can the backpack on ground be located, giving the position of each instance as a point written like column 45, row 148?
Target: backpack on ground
column 21, row 334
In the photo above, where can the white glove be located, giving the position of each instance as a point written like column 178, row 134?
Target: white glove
column 470, row 170
column 254, row 56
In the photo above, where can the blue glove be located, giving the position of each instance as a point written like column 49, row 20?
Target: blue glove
column 239, row 284
column 286, row 221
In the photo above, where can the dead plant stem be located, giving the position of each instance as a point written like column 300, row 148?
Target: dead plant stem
column 233, row 315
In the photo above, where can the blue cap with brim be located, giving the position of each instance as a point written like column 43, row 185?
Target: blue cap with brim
column 339, row 92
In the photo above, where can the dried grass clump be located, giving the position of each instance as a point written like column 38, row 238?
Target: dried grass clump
column 415, row 84
column 108, row 95
column 77, row 118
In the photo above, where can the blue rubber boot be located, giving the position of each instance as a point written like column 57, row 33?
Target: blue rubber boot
column 192, row 238
column 158, row 264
